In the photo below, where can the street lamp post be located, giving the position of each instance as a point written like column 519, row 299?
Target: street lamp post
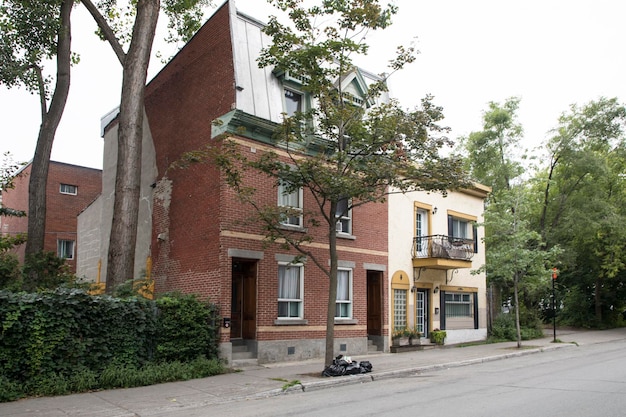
column 554, row 274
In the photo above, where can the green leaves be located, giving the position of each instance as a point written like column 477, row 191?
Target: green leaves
column 73, row 338
column 28, row 37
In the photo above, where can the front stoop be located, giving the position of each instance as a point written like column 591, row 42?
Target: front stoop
column 242, row 352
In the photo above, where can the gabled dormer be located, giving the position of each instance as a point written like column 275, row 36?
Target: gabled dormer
column 354, row 89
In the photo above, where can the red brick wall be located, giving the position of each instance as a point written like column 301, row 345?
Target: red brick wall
column 195, row 88
column 194, row 212
column 61, row 209
column 369, row 228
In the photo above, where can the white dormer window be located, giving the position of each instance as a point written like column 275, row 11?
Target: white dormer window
column 293, row 102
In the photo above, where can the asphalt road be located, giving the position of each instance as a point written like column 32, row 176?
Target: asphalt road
column 583, row 382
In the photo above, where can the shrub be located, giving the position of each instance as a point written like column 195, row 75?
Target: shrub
column 503, row 327
column 45, row 270
column 186, row 328
column 66, row 340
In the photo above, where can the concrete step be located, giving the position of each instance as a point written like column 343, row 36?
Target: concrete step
column 240, row 348
column 245, row 363
column 243, row 355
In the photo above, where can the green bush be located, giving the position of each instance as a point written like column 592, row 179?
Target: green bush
column 186, row 328
column 10, row 273
column 503, row 328
column 45, row 270
column 66, row 340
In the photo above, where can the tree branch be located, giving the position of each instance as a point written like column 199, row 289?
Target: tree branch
column 108, row 33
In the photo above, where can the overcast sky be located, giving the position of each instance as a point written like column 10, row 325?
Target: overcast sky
column 550, row 53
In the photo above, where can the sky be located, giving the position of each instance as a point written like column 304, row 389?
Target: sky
column 549, row 53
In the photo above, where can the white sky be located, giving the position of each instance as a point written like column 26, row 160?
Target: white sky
column 551, row 53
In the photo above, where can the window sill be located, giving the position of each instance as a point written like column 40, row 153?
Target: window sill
column 346, row 236
column 346, row 321
column 292, row 228
column 290, row 322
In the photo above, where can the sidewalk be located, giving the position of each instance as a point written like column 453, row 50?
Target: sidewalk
column 281, row 378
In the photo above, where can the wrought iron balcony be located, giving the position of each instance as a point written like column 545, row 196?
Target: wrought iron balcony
column 441, row 247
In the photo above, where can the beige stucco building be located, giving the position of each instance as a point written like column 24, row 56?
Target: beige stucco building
column 435, row 242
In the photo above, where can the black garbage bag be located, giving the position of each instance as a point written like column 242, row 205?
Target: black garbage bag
column 366, row 366
column 334, row 370
column 345, row 366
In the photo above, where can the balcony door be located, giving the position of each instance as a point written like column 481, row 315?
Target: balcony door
column 421, row 231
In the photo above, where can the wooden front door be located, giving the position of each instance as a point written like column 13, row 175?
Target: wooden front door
column 243, row 305
column 374, row 303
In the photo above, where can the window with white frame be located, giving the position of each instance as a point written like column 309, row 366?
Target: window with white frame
column 343, row 215
column 290, row 198
column 290, row 291
column 65, row 249
column 69, row 189
column 344, row 294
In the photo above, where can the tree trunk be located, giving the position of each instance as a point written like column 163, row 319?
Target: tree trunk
column 47, row 130
column 121, row 257
column 332, row 287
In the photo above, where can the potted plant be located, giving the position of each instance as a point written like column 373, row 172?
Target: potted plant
column 400, row 336
column 414, row 336
column 438, row 337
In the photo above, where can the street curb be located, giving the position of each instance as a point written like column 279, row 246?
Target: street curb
column 401, row 373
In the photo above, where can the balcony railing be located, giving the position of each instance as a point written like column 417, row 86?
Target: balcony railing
column 444, row 247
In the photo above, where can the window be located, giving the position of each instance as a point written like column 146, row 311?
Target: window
column 344, row 294
column 65, row 249
column 344, row 216
column 459, row 305
column 421, row 232
column 293, row 102
column 460, row 228
column 69, row 189
column 399, row 309
column 290, row 278
column 291, row 200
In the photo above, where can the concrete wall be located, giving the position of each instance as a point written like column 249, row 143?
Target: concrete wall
column 89, row 241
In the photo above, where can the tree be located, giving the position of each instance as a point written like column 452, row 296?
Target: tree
column 516, row 254
column 185, row 18
column 491, row 152
column 345, row 152
column 30, row 33
column 9, row 264
column 583, row 199
column 516, row 260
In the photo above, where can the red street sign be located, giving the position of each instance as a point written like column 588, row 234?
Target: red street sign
column 554, row 271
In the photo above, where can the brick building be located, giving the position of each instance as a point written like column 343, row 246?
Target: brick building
column 192, row 226
column 70, row 188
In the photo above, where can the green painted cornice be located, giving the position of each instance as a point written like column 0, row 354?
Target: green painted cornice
column 237, row 122
column 240, row 123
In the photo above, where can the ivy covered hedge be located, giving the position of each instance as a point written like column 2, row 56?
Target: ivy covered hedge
column 50, row 337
